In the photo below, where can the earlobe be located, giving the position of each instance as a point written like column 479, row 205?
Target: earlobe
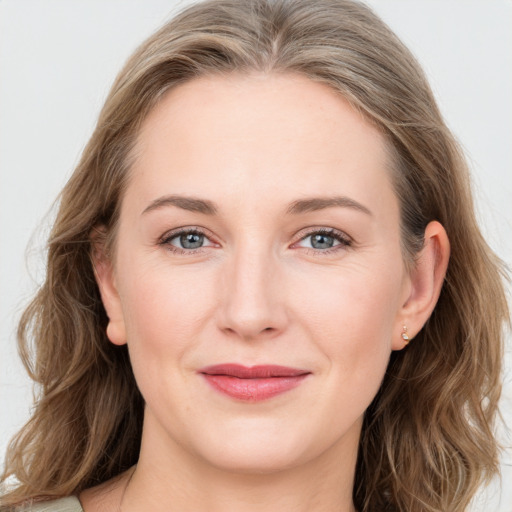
column 426, row 281
column 105, row 278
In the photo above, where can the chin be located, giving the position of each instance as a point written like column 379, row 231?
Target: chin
column 252, row 457
column 264, row 447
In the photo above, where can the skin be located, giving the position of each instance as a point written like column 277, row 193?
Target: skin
column 260, row 290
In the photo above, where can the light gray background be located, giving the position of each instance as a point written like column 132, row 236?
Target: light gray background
column 59, row 57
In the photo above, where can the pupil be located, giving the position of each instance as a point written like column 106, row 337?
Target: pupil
column 322, row 241
column 191, row 240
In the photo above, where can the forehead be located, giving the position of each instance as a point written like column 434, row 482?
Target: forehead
column 235, row 136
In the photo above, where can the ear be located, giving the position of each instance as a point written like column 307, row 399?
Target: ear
column 105, row 278
column 425, row 282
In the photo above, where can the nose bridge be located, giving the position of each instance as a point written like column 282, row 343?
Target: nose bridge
column 252, row 302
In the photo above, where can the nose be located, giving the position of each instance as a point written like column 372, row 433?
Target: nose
column 253, row 295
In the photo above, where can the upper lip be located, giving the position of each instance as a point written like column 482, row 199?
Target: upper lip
column 252, row 372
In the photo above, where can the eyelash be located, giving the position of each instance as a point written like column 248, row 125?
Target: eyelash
column 166, row 239
column 344, row 240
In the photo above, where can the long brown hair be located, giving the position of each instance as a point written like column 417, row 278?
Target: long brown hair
column 427, row 441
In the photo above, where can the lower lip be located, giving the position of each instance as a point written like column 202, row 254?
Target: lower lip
column 253, row 390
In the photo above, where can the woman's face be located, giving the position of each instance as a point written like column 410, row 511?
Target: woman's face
column 259, row 227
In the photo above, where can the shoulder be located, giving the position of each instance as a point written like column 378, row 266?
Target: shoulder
column 68, row 504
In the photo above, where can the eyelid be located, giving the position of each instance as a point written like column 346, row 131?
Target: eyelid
column 345, row 241
column 165, row 239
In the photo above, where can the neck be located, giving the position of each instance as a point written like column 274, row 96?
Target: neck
column 173, row 480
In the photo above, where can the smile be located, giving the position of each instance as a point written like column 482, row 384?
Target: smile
column 253, row 384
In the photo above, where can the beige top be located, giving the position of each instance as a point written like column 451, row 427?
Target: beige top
column 69, row 504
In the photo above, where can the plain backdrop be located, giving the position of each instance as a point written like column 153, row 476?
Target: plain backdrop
column 59, row 57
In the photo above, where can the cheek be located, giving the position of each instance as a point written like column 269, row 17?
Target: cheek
column 357, row 303
column 352, row 320
column 163, row 310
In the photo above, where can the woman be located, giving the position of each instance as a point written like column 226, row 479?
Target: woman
column 266, row 287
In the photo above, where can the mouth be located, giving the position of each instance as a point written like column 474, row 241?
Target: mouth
column 255, row 383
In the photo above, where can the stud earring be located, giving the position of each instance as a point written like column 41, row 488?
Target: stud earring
column 405, row 335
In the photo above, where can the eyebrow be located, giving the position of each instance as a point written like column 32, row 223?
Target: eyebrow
column 319, row 203
column 206, row 207
column 191, row 204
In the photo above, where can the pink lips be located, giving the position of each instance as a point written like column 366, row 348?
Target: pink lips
column 255, row 383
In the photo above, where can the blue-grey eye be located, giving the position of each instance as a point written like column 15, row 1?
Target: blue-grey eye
column 184, row 240
column 190, row 240
column 322, row 241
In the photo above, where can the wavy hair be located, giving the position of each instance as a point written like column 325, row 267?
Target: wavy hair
column 427, row 441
